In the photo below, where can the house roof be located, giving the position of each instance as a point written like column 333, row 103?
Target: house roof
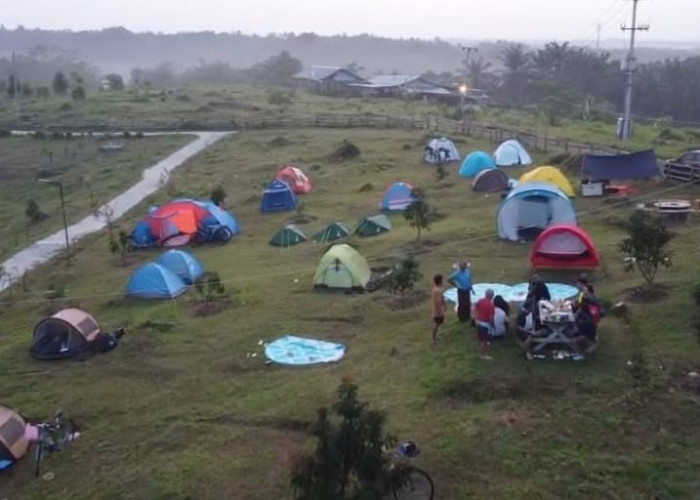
column 321, row 73
column 412, row 83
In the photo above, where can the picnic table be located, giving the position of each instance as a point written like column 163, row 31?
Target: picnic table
column 555, row 333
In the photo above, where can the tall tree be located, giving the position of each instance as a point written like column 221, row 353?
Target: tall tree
column 516, row 61
column 59, row 84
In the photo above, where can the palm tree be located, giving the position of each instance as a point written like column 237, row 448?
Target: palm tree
column 517, row 61
column 476, row 69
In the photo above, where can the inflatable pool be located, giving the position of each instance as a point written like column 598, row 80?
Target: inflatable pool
column 290, row 350
column 514, row 293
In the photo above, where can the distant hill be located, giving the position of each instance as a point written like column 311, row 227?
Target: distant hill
column 119, row 50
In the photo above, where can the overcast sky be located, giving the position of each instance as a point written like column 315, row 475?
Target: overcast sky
column 512, row 19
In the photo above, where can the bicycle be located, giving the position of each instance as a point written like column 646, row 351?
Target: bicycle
column 53, row 436
column 412, row 483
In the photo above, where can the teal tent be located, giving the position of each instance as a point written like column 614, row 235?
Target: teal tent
column 474, row 163
column 288, row 236
column 374, row 225
column 332, row 232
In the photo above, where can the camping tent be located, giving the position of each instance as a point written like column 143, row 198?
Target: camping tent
column 342, row 267
column 474, row 163
column 288, row 236
column 295, row 178
column 564, row 246
column 183, row 264
column 177, row 222
column 440, row 150
column 490, row 180
column 13, row 441
column 531, row 207
column 551, row 175
column 374, row 225
column 63, row 335
column 278, row 197
column 332, row 232
column 153, row 281
column 624, row 167
column 510, row 153
column 397, row 197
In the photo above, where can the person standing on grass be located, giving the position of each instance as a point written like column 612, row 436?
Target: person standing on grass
column 484, row 315
column 438, row 307
column 462, row 280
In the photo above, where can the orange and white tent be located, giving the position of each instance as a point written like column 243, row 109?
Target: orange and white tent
column 295, row 178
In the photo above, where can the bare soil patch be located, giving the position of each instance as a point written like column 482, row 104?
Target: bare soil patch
column 645, row 294
column 406, row 301
column 200, row 309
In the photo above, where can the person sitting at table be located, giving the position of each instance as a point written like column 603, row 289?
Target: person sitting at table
column 585, row 331
column 500, row 318
column 538, row 291
column 586, row 291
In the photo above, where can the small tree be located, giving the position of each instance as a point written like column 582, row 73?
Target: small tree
column 418, row 214
column 646, row 245
column 405, row 276
column 78, row 93
column 121, row 245
column 59, row 84
column 209, row 286
column 349, row 461
column 115, row 81
column 218, row 196
column 440, row 171
column 33, row 212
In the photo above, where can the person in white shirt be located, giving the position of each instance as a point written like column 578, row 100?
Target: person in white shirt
column 500, row 317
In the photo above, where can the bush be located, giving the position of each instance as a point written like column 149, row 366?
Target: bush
column 405, row 276
column 279, row 98
column 33, row 212
column 645, row 246
column 366, row 187
column 346, row 151
column 78, row 93
column 667, row 134
column 209, row 287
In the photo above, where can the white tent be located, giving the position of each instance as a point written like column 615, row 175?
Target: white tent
column 511, row 153
column 441, row 146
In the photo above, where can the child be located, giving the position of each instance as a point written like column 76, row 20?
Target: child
column 484, row 312
column 438, row 307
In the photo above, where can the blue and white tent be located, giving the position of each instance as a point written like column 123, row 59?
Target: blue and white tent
column 278, row 197
column 440, row 150
column 397, row 197
column 474, row 163
column 531, row 207
column 511, row 153
column 183, row 264
column 153, row 281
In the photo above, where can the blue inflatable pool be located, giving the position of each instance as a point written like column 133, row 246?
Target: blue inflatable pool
column 290, row 350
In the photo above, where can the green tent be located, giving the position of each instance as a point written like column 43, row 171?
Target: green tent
column 344, row 268
column 374, row 225
column 332, row 232
column 288, row 236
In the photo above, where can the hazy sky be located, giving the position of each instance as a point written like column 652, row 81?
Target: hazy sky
column 514, row 19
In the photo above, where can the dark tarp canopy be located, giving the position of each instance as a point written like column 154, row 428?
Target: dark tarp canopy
column 623, row 167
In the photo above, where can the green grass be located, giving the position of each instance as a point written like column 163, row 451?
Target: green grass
column 180, row 411
column 89, row 179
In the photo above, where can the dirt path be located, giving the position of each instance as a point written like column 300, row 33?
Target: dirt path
column 153, row 177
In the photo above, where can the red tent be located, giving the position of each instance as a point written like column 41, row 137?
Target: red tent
column 564, row 246
column 295, row 178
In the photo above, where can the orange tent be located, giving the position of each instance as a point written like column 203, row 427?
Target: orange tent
column 177, row 217
column 295, row 178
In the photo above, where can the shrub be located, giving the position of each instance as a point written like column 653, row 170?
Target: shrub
column 209, row 287
column 366, row 187
column 33, row 212
column 218, row 196
column 646, row 245
column 66, row 106
column 405, row 276
column 667, row 134
column 78, row 93
column 346, row 151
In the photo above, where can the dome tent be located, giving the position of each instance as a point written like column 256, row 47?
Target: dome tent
column 342, row 267
column 63, row 335
column 440, row 149
column 511, row 153
column 490, row 180
column 332, row 232
column 397, row 197
column 183, row 264
column 278, row 197
column 13, row 441
column 295, row 177
column 474, row 163
column 564, row 246
column 372, row 226
column 153, row 281
column 551, row 175
column 529, row 208
column 288, row 236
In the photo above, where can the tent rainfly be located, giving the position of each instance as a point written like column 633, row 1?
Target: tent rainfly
column 564, row 246
column 288, row 236
column 511, row 153
column 183, row 264
column 491, row 180
column 13, row 441
column 551, row 175
column 398, row 196
column 332, row 232
column 278, row 197
column 374, row 225
column 342, row 267
column 440, row 150
column 474, row 163
column 63, row 335
column 295, row 178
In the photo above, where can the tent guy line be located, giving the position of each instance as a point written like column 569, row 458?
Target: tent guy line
column 369, row 259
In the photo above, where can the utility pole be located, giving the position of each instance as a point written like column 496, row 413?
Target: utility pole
column 15, row 85
column 625, row 130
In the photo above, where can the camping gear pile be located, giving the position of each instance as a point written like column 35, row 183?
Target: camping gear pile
column 166, row 278
column 182, row 221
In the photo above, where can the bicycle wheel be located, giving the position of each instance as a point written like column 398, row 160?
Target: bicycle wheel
column 418, row 486
column 38, row 457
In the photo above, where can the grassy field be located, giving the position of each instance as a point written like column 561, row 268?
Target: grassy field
column 180, row 410
column 89, row 178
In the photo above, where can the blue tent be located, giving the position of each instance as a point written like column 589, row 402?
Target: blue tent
column 278, row 197
column 142, row 236
column 530, row 207
column 474, row 163
column 397, row 197
column 153, row 281
column 511, row 153
column 218, row 217
column 183, row 264
column 623, row 167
